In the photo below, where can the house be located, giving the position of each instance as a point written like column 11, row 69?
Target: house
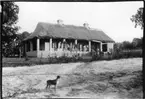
column 50, row 40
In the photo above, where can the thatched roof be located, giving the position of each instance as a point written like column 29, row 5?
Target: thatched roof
column 68, row 32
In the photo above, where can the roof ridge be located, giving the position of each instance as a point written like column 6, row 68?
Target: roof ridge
column 61, row 25
column 96, row 29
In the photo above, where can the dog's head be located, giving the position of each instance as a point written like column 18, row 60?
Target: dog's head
column 58, row 77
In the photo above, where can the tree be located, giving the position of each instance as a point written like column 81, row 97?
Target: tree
column 127, row 45
column 19, row 42
column 137, row 42
column 10, row 17
column 118, row 46
column 138, row 18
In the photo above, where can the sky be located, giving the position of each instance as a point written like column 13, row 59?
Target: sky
column 111, row 17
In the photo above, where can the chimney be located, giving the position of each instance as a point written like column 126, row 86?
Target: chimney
column 86, row 25
column 60, row 22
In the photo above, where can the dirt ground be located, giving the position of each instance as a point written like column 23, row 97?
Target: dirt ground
column 78, row 80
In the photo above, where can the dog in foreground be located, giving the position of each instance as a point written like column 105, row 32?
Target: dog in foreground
column 52, row 82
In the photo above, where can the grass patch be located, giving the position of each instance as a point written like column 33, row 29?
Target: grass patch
column 96, row 88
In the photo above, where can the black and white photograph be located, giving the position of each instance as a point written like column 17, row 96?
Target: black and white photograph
column 72, row 50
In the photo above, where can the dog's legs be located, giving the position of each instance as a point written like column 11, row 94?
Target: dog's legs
column 46, row 85
column 55, row 87
column 49, row 86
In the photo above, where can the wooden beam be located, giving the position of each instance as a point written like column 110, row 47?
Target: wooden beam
column 89, row 46
column 64, row 40
column 96, row 41
column 38, row 44
column 50, row 44
column 76, row 42
column 101, row 46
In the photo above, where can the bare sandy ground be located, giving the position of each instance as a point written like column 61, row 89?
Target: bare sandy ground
column 85, row 80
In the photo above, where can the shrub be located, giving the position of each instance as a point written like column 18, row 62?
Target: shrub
column 117, row 54
column 63, row 59
column 26, row 58
column 126, row 54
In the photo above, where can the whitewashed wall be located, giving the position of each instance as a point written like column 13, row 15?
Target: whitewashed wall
column 47, row 46
column 110, row 46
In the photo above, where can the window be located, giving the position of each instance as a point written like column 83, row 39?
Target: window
column 104, row 47
column 42, row 44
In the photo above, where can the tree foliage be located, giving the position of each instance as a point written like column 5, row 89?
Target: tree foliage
column 21, row 37
column 138, row 18
column 9, row 30
column 136, row 43
column 18, row 43
column 127, row 45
